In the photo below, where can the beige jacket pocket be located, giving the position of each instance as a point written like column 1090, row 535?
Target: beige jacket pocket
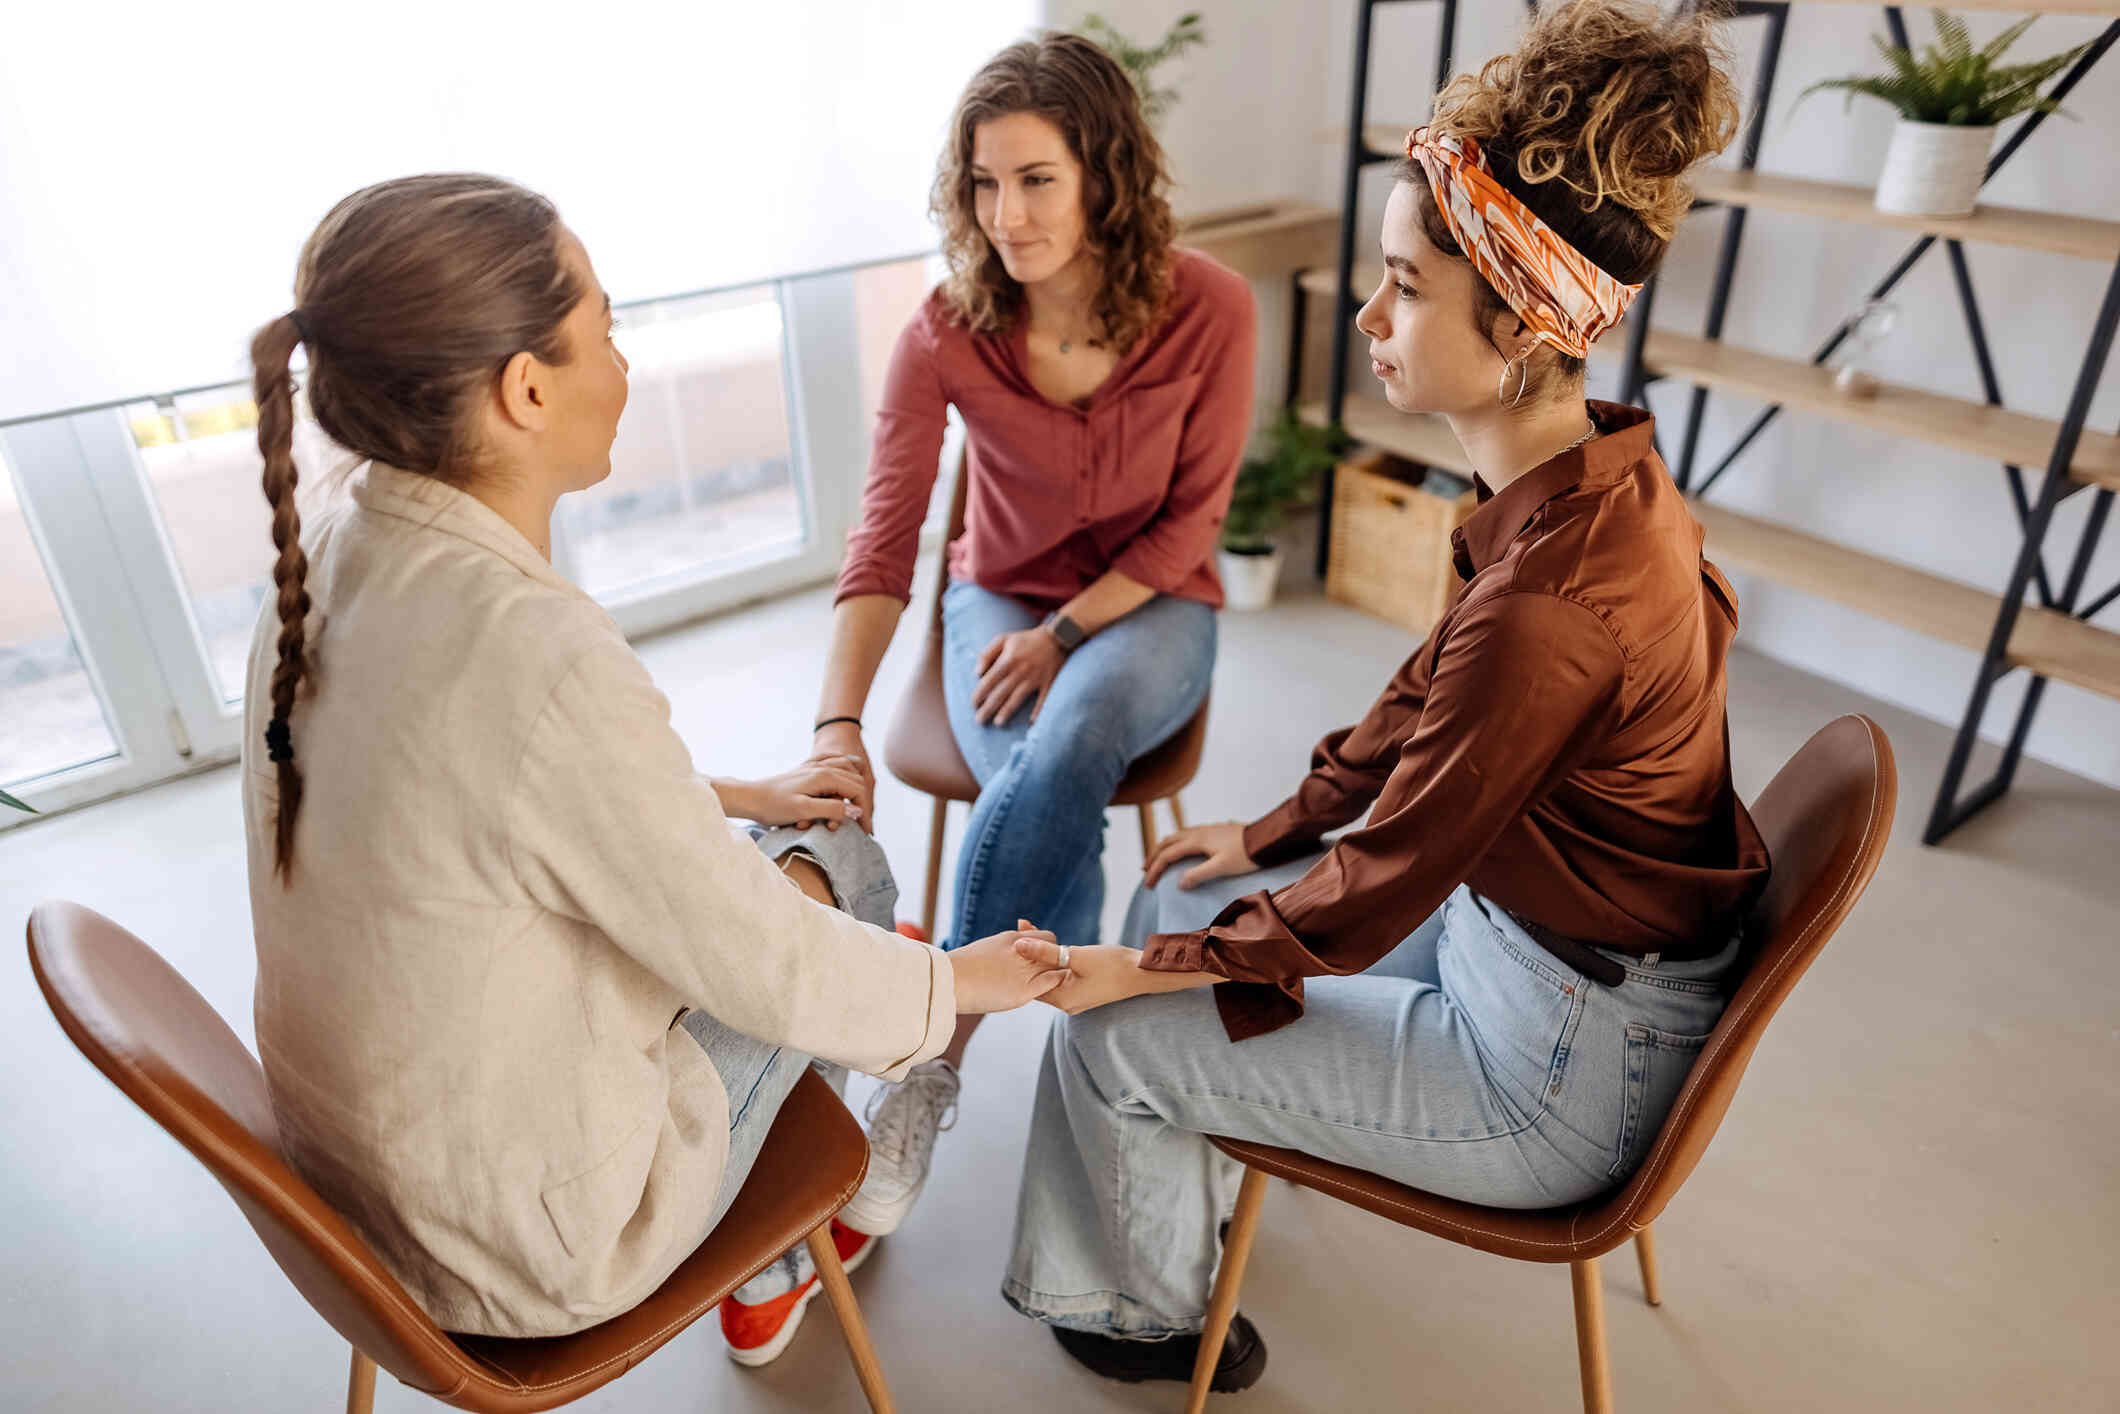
column 591, row 1208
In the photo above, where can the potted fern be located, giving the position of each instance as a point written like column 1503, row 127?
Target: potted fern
column 1950, row 99
column 1270, row 485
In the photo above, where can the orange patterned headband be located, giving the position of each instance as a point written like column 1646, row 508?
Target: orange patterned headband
column 1565, row 299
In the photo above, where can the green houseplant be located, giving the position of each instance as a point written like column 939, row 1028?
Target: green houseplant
column 1142, row 61
column 1950, row 98
column 1293, row 457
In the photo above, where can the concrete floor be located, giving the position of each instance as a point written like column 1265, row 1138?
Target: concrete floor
column 1913, row 1204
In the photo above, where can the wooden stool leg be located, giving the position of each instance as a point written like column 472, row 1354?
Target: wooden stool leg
column 360, row 1385
column 856, row 1331
column 1222, row 1307
column 1590, row 1337
column 1148, row 830
column 1177, row 811
column 1645, row 1249
column 934, row 878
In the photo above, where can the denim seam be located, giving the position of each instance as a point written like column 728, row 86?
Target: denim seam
column 1271, row 1107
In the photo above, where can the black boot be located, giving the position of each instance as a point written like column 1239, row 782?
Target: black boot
column 1243, row 1356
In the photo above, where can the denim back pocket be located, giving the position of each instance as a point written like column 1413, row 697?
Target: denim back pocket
column 1657, row 1065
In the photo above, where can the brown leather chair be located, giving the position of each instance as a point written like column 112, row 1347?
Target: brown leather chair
column 921, row 750
column 158, row 1041
column 1826, row 817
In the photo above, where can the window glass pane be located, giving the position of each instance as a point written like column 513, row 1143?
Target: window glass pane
column 51, row 717
column 885, row 299
column 701, row 474
column 199, row 453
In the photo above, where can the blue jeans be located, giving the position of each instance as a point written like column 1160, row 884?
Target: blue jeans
column 1468, row 1062
column 1035, row 845
column 758, row 1075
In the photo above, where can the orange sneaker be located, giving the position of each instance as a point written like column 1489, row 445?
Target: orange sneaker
column 758, row 1333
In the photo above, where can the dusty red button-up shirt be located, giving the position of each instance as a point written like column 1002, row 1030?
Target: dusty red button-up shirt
column 1136, row 479
column 1559, row 743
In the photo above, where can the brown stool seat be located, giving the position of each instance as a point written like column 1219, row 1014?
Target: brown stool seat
column 160, row 1042
column 1826, row 817
column 921, row 750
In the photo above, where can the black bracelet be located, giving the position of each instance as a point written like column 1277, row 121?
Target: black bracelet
column 833, row 721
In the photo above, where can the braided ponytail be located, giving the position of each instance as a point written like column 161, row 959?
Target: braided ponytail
column 410, row 296
column 270, row 353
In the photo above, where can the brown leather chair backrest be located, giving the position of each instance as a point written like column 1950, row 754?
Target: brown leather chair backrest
column 1826, row 817
column 159, row 1042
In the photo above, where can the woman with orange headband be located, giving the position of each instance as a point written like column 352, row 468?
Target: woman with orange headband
column 1493, row 988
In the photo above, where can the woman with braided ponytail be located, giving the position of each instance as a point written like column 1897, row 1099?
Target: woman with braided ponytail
column 1494, row 987
column 526, row 1006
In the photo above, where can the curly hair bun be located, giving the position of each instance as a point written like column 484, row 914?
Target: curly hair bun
column 1610, row 98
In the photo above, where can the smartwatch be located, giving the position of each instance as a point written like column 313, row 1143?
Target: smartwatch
column 1065, row 631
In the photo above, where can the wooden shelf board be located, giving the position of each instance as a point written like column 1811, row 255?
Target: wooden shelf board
column 2063, row 648
column 2006, row 436
column 1418, row 437
column 2038, row 7
column 2023, row 227
column 1838, row 201
column 1265, row 240
column 1958, row 423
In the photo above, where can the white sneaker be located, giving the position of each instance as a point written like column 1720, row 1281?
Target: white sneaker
column 903, row 1121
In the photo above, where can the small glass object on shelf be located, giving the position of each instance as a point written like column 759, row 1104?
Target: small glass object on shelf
column 1855, row 375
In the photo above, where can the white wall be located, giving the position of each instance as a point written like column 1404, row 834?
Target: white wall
column 1261, row 98
column 160, row 166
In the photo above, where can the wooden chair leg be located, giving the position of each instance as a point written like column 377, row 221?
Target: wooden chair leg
column 866, row 1367
column 360, row 1385
column 934, row 877
column 1645, row 1250
column 1222, row 1307
column 1590, row 1337
column 1148, row 829
column 1177, row 811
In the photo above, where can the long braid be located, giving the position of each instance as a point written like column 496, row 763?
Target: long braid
column 270, row 352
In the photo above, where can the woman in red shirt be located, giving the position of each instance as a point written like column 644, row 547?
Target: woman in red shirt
column 1104, row 377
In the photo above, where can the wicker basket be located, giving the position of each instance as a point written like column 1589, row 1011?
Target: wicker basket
column 1391, row 541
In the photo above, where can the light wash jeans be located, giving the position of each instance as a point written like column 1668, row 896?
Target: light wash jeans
column 1468, row 1062
column 1035, row 846
column 758, row 1075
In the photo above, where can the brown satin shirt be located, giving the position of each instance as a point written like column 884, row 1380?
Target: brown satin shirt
column 1558, row 743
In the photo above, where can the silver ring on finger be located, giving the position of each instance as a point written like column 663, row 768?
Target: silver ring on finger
column 1063, row 957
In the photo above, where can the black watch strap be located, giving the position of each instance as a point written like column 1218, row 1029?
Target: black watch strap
column 1065, row 631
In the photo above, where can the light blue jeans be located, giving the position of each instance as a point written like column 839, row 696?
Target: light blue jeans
column 758, row 1075
column 1035, row 846
column 1468, row 1062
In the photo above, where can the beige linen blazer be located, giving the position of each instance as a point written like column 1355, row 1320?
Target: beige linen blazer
column 508, row 885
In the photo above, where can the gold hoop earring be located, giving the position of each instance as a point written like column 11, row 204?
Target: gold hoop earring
column 1522, row 365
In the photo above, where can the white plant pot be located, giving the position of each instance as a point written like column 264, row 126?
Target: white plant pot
column 1934, row 169
column 1248, row 580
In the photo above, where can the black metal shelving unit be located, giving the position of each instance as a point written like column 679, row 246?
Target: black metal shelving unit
column 2049, row 637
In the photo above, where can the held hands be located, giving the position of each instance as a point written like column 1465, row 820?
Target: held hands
column 840, row 745
column 1014, row 669
column 1223, row 845
column 1097, row 976
column 1003, row 972
column 828, row 789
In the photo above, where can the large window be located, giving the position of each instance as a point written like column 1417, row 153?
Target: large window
column 50, row 715
column 736, row 472
column 702, row 475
